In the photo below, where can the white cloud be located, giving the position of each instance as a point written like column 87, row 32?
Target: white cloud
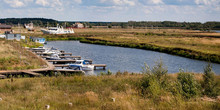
column 207, row 2
column 42, row 2
column 50, row 3
column 15, row 3
column 131, row 3
column 156, row 1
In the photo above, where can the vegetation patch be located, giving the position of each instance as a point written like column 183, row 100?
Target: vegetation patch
column 154, row 89
column 15, row 57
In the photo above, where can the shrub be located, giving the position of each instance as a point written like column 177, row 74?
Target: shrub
column 150, row 86
column 188, row 85
column 209, row 85
column 109, row 72
column 154, row 81
column 159, row 70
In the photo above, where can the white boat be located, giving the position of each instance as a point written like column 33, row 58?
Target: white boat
column 84, row 64
column 53, row 57
column 52, row 51
column 39, row 48
column 57, row 30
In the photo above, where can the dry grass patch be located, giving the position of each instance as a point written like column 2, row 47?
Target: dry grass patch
column 15, row 57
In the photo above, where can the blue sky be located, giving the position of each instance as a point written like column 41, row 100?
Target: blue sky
column 113, row 10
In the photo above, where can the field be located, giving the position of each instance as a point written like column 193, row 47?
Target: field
column 186, row 39
column 92, row 92
column 187, row 43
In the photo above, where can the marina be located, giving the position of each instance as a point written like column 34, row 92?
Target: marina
column 54, row 66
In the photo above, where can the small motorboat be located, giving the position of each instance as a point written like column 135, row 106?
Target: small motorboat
column 75, row 67
column 52, row 51
column 53, row 56
column 84, row 64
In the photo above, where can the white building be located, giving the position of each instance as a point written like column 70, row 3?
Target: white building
column 78, row 25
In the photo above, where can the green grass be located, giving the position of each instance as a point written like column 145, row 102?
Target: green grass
column 89, row 92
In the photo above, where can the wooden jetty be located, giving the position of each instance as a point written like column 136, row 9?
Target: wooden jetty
column 43, row 50
column 33, row 73
column 2, row 76
column 62, row 54
column 96, row 66
column 67, row 70
column 77, row 57
column 65, row 61
column 103, row 66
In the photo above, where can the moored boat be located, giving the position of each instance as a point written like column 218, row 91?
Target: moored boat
column 53, row 57
column 84, row 64
column 57, row 30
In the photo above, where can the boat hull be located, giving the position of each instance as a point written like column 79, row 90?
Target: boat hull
column 57, row 32
column 84, row 67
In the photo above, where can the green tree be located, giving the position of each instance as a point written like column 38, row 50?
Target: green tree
column 188, row 85
column 154, row 83
column 209, row 84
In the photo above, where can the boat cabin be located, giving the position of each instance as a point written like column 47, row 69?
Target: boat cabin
column 38, row 39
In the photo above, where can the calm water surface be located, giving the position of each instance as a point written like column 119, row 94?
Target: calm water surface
column 218, row 31
column 128, row 59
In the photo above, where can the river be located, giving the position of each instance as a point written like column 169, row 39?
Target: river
column 218, row 31
column 128, row 59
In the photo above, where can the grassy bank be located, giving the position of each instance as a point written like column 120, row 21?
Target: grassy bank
column 13, row 56
column 187, row 43
column 95, row 92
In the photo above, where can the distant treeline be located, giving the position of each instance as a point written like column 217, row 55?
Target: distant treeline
column 130, row 24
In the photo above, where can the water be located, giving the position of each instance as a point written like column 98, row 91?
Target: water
column 128, row 59
column 218, row 31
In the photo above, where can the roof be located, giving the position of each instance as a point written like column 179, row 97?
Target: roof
column 4, row 26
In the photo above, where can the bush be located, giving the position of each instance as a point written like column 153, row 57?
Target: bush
column 159, row 71
column 150, row 87
column 209, row 85
column 155, row 80
column 188, row 85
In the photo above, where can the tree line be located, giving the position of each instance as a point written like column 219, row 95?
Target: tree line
column 42, row 22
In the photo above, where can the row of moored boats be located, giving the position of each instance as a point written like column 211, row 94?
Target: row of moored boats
column 54, row 54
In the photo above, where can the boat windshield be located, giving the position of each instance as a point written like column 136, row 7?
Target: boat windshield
column 53, row 29
column 78, row 62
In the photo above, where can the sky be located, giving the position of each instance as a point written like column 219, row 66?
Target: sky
column 113, row 10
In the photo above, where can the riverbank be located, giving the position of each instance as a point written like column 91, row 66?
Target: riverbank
column 13, row 56
column 106, row 92
column 186, row 43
